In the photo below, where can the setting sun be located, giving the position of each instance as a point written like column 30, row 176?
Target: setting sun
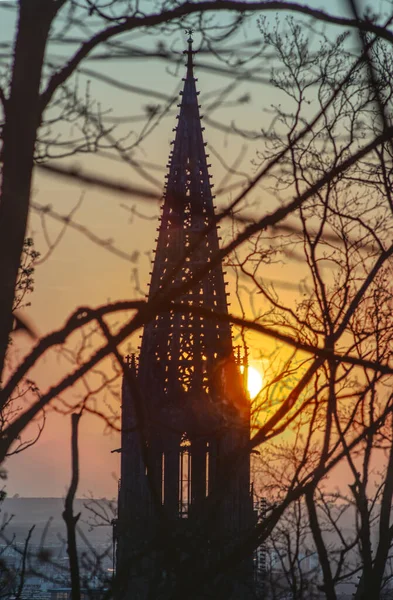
column 254, row 381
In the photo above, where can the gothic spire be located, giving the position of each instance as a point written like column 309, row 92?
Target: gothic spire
column 182, row 346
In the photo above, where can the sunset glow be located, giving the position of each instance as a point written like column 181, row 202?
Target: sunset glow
column 254, row 382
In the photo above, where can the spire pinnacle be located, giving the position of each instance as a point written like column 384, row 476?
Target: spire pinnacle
column 189, row 52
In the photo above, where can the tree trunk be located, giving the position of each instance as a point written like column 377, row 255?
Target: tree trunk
column 22, row 116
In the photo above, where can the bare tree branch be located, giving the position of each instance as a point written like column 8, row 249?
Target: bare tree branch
column 68, row 514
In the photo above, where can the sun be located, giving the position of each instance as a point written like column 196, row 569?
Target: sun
column 254, row 381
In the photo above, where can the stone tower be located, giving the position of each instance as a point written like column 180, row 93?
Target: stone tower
column 181, row 509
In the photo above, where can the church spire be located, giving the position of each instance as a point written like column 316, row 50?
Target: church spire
column 183, row 346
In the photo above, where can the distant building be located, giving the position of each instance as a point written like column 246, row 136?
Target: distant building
column 182, row 507
column 65, row 593
column 60, row 594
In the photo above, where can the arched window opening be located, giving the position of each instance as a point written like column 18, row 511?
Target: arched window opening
column 184, row 478
column 162, row 478
column 207, row 468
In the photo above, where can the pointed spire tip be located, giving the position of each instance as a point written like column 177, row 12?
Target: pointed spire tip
column 189, row 52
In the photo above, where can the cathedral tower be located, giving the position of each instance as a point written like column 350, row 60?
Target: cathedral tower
column 184, row 408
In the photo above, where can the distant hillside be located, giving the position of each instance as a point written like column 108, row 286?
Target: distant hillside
column 47, row 513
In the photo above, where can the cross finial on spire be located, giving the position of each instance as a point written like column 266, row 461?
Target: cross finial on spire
column 189, row 32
